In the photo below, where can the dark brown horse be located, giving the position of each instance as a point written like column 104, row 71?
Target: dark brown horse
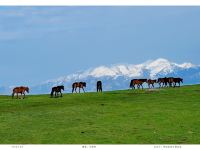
column 57, row 90
column 137, row 82
column 151, row 82
column 20, row 90
column 80, row 85
column 162, row 82
column 177, row 80
column 99, row 86
column 170, row 81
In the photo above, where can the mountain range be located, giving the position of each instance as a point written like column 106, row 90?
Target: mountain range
column 117, row 77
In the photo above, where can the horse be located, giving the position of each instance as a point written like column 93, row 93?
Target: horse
column 80, row 85
column 162, row 81
column 99, row 86
column 57, row 90
column 170, row 81
column 151, row 82
column 137, row 82
column 20, row 90
column 177, row 80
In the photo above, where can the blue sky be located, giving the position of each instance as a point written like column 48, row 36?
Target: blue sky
column 41, row 43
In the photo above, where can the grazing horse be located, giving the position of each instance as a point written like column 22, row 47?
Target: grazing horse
column 99, row 86
column 57, row 90
column 137, row 82
column 80, row 85
column 177, row 80
column 20, row 90
column 151, row 82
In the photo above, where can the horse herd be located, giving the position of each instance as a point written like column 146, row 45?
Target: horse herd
column 57, row 91
column 163, row 82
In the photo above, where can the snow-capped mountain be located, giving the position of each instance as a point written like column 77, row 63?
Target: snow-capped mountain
column 116, row 77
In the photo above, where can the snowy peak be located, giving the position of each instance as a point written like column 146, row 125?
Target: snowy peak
column 150, row 69
column 187, row 65
column 154, row 67
column 159, row 64
column 164, row 63
column 103, row 71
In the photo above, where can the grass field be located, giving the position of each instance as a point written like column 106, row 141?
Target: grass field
column 165, row 116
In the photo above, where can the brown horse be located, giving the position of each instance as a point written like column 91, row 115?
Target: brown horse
column 151, row 82
column 176, row 80
column 80, row 85
column 20, row 90
column 137, row 82
column 162, row 82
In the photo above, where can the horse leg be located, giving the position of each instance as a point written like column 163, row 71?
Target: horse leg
column 75, row 89
column 55, row 94
column 24, row 95
column 17, row 95
column 83, row 90
column 60, row 94
column 153, row 86
column 142, row 86
column 51, row 93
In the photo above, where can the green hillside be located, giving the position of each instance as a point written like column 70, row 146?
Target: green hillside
column 160, row 116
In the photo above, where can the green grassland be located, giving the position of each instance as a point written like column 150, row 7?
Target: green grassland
column 161, row 116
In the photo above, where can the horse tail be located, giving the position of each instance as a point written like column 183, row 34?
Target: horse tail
column 13, row 93
column 73, row 87
column 51, row 93
column 131, row 84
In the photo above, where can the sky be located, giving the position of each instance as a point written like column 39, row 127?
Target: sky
column 41, row 43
